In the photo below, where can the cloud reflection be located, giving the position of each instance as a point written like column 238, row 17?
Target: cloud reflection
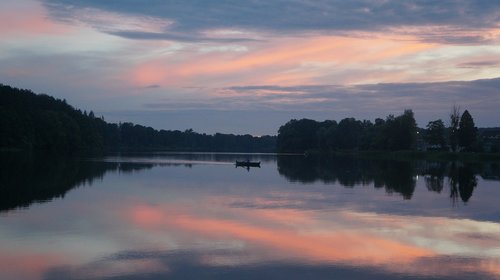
column 203, row 222
column 396, row 243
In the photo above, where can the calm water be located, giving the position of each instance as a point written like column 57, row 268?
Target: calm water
column 196, row 216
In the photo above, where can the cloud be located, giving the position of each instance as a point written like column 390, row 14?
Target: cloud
column 152, row 86
column 141, row 35
column 428, row 100
column 284, row 61
column 20, row 19
column 480, row 64
column 316, row 59
column 138, row 35
column 299, row 16
column 263, row 109
column 380, row 97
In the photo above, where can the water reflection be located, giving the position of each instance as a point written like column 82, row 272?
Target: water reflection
column 393, row 176
column 187, row 217
column 262, row 243
column 462, row 181
column 28, row 178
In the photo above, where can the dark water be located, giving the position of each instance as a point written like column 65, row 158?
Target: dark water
column 196, row 216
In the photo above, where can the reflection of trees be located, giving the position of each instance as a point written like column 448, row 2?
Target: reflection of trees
column 462, row 181
column 453, row 182
column 466, row 183
column 394, row 176
column 461, row 178
column 434, row 176
column 26, row 179
column 349, row 171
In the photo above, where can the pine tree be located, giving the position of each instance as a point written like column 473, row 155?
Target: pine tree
column 467, row 131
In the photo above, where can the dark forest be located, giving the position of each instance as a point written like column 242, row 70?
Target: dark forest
column 32, row 121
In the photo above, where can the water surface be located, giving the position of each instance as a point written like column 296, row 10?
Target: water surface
column 197, row 216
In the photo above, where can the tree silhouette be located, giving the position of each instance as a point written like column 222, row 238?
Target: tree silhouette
column 467, row 132
column 40, row 122
column 435, row 134
column 453, row 128
column 395, row 133
column 404, row 132
column 298, row 136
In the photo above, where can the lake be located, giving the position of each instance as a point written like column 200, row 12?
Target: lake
column 197, row 216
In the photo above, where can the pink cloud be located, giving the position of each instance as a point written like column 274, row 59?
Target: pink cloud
column 28, row 18
column 284, row 61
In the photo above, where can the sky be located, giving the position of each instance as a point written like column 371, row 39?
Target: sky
column 251, row 66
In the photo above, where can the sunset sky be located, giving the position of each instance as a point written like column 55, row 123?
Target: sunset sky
column 250, row 66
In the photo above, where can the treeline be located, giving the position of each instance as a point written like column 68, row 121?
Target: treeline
column 41, row 122
column 393, row 133
column 390, row 134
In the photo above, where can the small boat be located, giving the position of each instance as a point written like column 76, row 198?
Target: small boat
column 248, row 163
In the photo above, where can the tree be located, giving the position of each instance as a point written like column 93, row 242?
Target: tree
column 41, row 122
column 298, row 136
column 454, row 122
column 467, row 132
column 408, row 130
column 435, row 133
column 401, row 131
column 327, row 135
column 378, row 141
column 348, row 133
